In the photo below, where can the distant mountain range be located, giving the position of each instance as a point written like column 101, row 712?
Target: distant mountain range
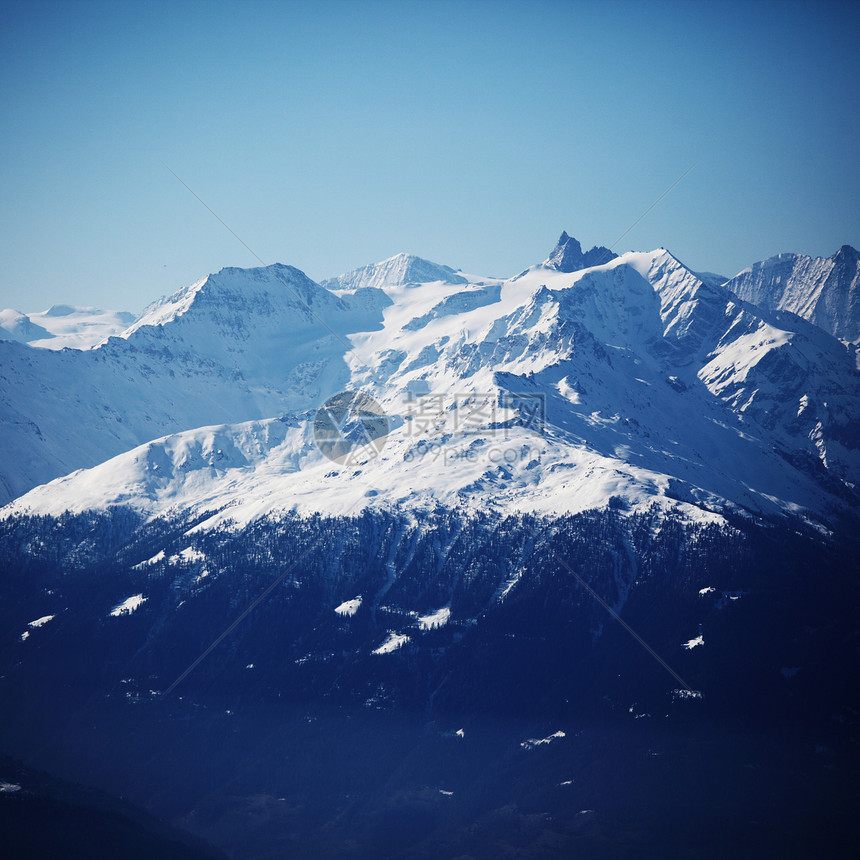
column 63, row 326
column 652, row 384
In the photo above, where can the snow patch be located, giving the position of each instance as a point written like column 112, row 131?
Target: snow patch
column 531, row 743
column 128, row 605
column 687, row 694
column 436, row 619
column 159, row 556
column 392, row 643
column 186, row 556
column 349, row 607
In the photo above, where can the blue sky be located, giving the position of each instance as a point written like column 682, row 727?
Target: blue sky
column 332, row 134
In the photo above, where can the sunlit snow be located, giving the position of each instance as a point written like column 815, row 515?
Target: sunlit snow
column 392, row 643
column 128, row 605
column 33, row 625
column 187, row 556
column 349, row 607
column 439, row 618
column 531, row 743
column 159, row 556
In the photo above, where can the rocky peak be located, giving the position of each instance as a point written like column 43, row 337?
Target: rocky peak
column 567, row 256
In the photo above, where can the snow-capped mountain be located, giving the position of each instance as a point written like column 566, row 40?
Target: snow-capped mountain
column 63, row 326
column 232, row 347
column 19, row 327
column 823, row 290
column 396, row 271
column 651, row 386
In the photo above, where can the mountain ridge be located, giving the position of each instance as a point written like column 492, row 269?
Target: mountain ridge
column 823, row 290
column 614, row 353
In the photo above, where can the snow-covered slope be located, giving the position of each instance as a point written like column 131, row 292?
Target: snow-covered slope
column 236, row 346
column 823, row 290
column 553, row 391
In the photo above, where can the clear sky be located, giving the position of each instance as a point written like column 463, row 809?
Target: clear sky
column 333, row 134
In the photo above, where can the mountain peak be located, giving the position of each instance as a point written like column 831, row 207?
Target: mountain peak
column 823, row 290
column 238, row 301
column 396, row 271
column 567, row 256
column 62, row 310
column 17, row 326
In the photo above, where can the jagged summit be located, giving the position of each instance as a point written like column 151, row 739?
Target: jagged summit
column 823, row 290
column 847, row 254
column 567, row 256
column 395, row 271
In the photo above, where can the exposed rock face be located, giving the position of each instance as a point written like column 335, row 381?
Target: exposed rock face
column 823, row 290
column 567, row 256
